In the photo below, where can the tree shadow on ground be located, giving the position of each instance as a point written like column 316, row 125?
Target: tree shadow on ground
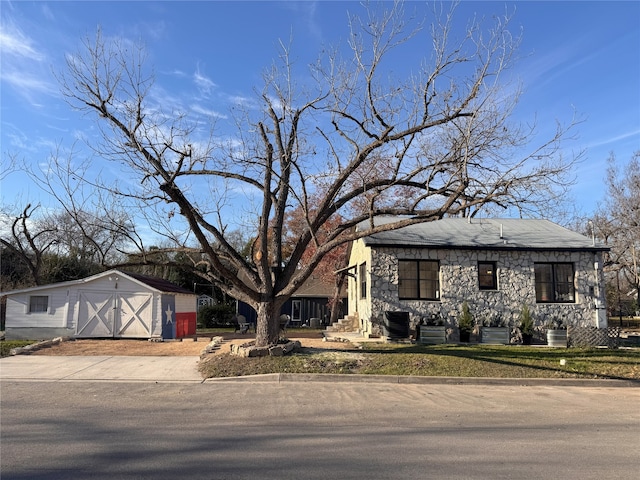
column 525, row 357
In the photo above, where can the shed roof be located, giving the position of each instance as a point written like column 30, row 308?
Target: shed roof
column 159, row 284
column 502, row 234
column 154, row 283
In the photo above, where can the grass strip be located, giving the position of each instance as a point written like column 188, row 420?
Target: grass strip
column 447, row 360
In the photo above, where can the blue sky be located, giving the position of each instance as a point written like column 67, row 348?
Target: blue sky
column 574, row 55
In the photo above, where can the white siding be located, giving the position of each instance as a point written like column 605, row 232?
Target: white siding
column 186, row 303
column 18, row 309
column 359, row 306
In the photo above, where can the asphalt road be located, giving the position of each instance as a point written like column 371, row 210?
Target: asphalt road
column 316, row 430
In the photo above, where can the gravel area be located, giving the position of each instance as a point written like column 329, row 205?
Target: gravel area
column 134, row 347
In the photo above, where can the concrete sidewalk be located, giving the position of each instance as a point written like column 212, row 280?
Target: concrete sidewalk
column 101, row 368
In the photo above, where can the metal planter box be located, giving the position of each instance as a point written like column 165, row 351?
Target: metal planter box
column 495, row 335
column 557, row 338
column 432, row 334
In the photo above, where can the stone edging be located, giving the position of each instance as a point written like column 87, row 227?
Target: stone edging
column 250, row 350
column 212, row 346
column 36, row 346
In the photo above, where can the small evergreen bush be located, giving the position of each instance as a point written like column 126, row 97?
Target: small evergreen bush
column 526, row 320
column 465, row 320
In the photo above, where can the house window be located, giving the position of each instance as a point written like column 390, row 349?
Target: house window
column 487, row 278
column 38, row 303
column 296, row 310
column 362, row 277
column 554, row 283
column 419, row 279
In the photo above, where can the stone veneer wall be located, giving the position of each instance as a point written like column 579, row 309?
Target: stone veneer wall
column 459, row 282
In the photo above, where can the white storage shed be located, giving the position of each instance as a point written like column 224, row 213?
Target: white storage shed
column 112, row 304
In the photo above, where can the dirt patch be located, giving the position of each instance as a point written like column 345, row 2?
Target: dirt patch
column 134, row 347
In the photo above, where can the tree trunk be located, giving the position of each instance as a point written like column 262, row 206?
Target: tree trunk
column 336, row 301
column 268, row 324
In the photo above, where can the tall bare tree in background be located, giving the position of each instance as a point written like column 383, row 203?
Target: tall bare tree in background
column 354, row 144
column 84, row 230
column 617, row 223
column 41, row 247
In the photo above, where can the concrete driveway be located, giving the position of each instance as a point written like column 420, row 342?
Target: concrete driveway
column 105, row 368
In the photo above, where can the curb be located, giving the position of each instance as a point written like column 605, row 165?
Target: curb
column 415, row 380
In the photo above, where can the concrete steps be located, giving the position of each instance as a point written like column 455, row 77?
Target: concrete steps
column 349, row 323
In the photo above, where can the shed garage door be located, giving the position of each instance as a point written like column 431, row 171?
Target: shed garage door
column 119, row 315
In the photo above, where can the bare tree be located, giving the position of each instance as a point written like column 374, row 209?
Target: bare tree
column 90, row 224
column 83, row 230
column 28, row 241
column 355, row 144
column 617, row 223
column 56, row 246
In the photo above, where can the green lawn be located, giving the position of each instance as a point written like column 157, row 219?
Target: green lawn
column 444, row 360
column 498, row 361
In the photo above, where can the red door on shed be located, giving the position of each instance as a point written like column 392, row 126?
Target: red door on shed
column 185, row 324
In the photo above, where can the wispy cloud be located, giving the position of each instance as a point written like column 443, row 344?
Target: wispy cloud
column 18, row 141
column 242, row 101
column 177, row 73
column 204, row 83
column 307, row 13
column 206, row 112
column 27, row 83
column 15, row 43
column 47, row 13
column 23, row 65
column 614, row 139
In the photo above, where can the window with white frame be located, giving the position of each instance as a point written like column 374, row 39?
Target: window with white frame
column 38, row 304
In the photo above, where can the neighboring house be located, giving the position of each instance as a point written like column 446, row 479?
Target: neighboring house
column 112, row 304
column 311, row 301
column 495, row 265
column 205, row 301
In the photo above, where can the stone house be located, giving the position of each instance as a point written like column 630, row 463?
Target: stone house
column 495, row 265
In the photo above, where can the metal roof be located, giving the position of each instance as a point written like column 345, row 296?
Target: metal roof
column 502, row 234
column 157, row 284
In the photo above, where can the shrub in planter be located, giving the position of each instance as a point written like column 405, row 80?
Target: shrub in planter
column 556, row 333
column 495, row 330
column 465, row 323
column 435, row 320
column 431, row 330
column 526, row 325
